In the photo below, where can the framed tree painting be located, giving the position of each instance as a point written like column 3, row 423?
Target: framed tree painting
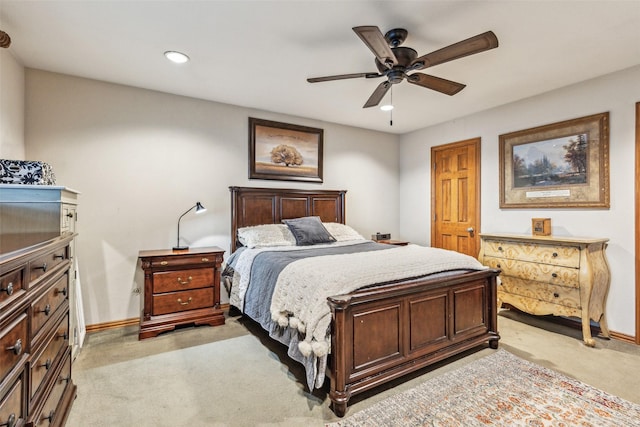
column 284, row 151
column 561, row 165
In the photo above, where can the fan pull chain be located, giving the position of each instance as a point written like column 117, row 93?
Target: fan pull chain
column 391, row 111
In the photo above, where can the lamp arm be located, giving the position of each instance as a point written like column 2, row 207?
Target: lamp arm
column 178, row 238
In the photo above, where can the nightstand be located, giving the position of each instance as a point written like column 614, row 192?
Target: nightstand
column 180, row 287
column 393, row 242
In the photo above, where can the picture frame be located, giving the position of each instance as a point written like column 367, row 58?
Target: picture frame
column 284, row 151
column 560, row 165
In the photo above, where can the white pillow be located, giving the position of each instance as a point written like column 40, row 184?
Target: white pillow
column 267, row 235
column 342, row 232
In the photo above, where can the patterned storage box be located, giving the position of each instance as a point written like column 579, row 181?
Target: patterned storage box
column 26, row 172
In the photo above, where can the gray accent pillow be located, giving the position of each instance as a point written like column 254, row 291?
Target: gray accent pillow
column 308, row 231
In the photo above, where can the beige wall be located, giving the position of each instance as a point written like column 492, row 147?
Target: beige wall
column 141, row 158
column 11, row 107
column 616, row 93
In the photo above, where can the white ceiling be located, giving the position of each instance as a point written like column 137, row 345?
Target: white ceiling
column 258, row 54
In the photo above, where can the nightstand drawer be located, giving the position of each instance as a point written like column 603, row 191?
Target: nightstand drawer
column 13, row 344
column 185, row 260
column 180, row 280
column 182, row 301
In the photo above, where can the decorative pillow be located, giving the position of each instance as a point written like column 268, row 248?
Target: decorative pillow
column 342, row 232
column 309, row 231
column 26, row 172
column 267, row 235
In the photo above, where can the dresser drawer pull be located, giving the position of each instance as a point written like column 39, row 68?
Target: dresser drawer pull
column 164, row 262
column 46, row 311
column 186, row 302
column 556, row 295
column 11, row 421
column 47, row 364
column 205, row 259
column 43, row 267
column 498, row 265
column 8, row 289
column 58, row 256
column 70, row 215
column 500, row 248
column 64, row 379
column 185, row 282
column 16, row 348
column 63, row 291
column 554, row 275
column 555, row 254
column 63, row 335
column 48, row 417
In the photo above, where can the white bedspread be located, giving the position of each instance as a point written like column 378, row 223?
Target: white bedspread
column 301, row 292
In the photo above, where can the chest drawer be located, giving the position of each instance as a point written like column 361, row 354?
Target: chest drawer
column 12, row 286
column 43, row 362
column 567, row 256
column 13, row 344
column 549, row 273
column 11, row 406
column 182, row 301
column 559, row 295
column 49, row 414
column 43, row 308
column 39, row 266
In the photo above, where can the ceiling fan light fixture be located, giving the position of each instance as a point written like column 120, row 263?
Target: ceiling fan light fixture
column 176, row 57
column 386, row 107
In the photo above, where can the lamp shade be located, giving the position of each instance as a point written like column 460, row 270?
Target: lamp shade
column 199, row 209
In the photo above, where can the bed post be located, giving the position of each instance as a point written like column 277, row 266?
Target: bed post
column 338, row 370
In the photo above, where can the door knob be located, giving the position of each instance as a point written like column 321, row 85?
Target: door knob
column 470, row 230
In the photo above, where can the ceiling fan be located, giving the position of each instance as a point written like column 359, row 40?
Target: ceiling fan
column 395, row 62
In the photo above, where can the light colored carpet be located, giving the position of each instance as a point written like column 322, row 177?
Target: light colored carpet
column 234, row 375
column 499, row 389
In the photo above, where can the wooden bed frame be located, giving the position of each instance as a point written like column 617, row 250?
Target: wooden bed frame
column 384, row 332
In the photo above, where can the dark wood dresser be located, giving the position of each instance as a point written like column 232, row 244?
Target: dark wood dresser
column 180, row 287
column 36, row 388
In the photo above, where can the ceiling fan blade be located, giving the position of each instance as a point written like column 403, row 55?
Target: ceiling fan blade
column 343, row 76
column 377, row 94
column 373, row 38
column 470, row 46
column 435, row 83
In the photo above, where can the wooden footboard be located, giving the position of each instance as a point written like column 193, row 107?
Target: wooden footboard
column 382, row 333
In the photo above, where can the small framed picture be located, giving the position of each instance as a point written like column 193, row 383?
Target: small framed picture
column 541, row 226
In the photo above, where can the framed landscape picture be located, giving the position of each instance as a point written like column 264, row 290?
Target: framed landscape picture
column 561, row 165
column 284, row 151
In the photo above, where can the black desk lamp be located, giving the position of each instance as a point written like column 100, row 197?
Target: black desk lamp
column 199, row 209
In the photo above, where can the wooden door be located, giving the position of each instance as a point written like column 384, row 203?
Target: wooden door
column 455, row 196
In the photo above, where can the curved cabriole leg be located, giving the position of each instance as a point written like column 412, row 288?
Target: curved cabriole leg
column 586, row 330
column 604, row 328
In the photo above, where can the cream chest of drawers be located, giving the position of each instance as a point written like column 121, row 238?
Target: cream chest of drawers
column 562, row 276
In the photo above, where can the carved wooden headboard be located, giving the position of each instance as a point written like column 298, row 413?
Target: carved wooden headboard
column 256, row 206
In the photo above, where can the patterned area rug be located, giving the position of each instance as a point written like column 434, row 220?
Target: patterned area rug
column 499, row 390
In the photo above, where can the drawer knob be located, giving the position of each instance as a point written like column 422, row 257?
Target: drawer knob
column 8, row 289
column 555, row 254
column 49, row 417
column 16, row 348
column 65, row 379
column 184, row 302
column 500, row 248
column 70, row 215
column 556, row 295
column 63, row 291
column 205, row 259
column 185, row 282
column 43, row 267
column 46, row 311
column 498, row 265
column 164, row 262
column 554, row 275
column 64, row 335
column 58, row 256
column 47, row 364
column 11, row 421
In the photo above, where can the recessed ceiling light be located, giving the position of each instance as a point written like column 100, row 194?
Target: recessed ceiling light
column 387, row 107
column 177, row 57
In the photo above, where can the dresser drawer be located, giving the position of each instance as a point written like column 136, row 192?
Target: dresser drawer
column 182, row 301
column 568, row 256
column 44, row 362
column 11, row 405
column 550, row 273
column 13, row 344
column 44, row 307
column 50, row 414
column 169, row 281
column 12, row 286
column 560, row 295
column 39, row 266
